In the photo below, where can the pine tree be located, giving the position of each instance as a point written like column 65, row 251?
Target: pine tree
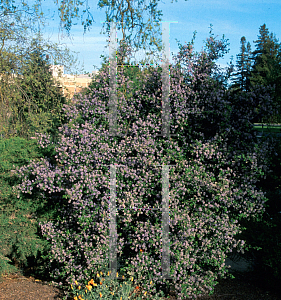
column 266, row 66
column 264, row 57
column 243, row 65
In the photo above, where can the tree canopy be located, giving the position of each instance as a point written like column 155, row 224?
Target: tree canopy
column 19, row 92
column 242, row 80
column 261, row 67
column 128, row 15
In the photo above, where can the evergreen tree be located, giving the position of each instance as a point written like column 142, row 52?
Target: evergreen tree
column 243, row 65
column 264, row 57
column 266, row 66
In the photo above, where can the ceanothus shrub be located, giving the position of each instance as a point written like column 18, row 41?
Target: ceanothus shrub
column 212, row 184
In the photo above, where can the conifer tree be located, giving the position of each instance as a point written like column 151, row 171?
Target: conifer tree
column 266, row 65
column 243, row 66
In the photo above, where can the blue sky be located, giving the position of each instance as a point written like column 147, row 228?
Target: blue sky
column 234, row 19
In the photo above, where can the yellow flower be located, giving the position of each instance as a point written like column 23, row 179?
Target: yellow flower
column 117, row 274
column 112, row 293
column 80, row 297
column 79, row 287
column 71, row 286
column 100, row 294
column 101, row 273
column 132, row 279
column 98, row 275
column 91, row 281
column 150, row 282
column 89, row 287
column 75, row 298
column 123, row 277
column 76, row 282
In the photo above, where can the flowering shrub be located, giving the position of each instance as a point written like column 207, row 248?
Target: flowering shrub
column 215, row 161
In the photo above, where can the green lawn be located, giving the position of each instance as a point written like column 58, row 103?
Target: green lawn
column 266, row 128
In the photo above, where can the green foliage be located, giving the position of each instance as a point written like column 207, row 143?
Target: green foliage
column 18, row 222
column 39, row 99
column 242, row 80
column 264, row 57
column 266, row 68
column 31, row 102
column 261, row 67
column 264, row 235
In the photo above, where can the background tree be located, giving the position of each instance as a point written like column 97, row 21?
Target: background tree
column 266, row 65
column 17, row 27
column 128, row 15
column 30, row 102
column 16, row 44
column 39, row 107
column 241, row 81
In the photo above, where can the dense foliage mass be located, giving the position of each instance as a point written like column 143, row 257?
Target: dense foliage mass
column 37, row 98
column 30, row 98
column 260, row 67
column 19, row 237
column 31, row 102
column 215, row 162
